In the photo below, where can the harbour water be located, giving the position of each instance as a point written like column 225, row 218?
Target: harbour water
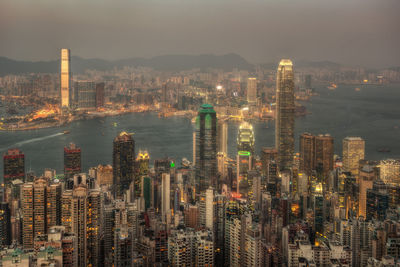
column 373, row 113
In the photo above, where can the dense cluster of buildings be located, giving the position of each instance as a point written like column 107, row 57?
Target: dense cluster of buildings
column 278, row 208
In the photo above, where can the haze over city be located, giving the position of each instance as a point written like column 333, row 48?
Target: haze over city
column 199, row 133
column 357, row 32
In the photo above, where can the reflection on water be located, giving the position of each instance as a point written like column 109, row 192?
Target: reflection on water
column 372, row 113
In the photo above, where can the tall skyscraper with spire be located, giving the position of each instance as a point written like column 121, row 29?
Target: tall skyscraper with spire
column 284, row 123
column 66, row 78
column 206, row 147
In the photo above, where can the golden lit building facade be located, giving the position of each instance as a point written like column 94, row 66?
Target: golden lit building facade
column 284, row 122
column 353, row 152
column 66, row 78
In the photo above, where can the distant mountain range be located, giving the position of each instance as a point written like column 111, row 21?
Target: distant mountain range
column 163, row 63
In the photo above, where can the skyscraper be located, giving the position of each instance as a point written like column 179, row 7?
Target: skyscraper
column 40, row 202
column 123, row 163
column 353, row 152
column 206, row 147
column 316, row 153
column 165, row 197
column 72, row 160
column 14, row 166
column 252, row 90
column 99, row 95
column 284, row 122
column 85, row 95
column 66, row 78
column 222, row 133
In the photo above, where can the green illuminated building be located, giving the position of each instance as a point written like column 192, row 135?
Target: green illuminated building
column 206, row 147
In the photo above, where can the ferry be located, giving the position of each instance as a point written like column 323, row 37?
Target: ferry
column 66, row 132
column 357, row 89
column 332, row 86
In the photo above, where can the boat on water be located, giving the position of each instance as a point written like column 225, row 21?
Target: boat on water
column 332, row 86
column 66, row 132
column 357, row 89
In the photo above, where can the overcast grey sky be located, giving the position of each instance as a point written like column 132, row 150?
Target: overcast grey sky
column 357, row 32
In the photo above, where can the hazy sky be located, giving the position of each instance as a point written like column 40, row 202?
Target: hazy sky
column 357, row 32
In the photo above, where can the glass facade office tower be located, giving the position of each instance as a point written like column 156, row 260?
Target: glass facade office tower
column 284, row 122
column 206, row 147
column 252, row 90
column 66, row 78
column 123, row 163
column 85, row 95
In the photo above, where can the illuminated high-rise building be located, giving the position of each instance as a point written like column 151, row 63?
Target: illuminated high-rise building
column 245, row 147
column 72, row 160
column 245, row 141
column 284, row 122
column 206, row 147
column 390, row 171
column 165, row 197
column 353, row 152
column 222, row 137
column 14, row 166
column 81, row 215
column 252, row 90
column 143, row 160
column 40, row 202
column 66, row 78
column 123, row 163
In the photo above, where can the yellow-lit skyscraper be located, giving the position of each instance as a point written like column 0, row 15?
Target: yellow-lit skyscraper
column 66, row 79
column 284, row 122
column 252, row 90
column 353, row 152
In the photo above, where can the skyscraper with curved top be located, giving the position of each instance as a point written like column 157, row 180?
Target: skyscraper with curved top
column 206, row 147
column 284, row 122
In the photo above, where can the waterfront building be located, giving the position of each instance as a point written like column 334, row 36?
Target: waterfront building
column 72, row 160
column 66, row 78
column 284, row 122
column 99, row 95
column 14, row 166
column 390, row 171
column 123, row 163
column 316, row 153
column 252, row 90
column 206, row 147
column 85, row 95
column 353, row 152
